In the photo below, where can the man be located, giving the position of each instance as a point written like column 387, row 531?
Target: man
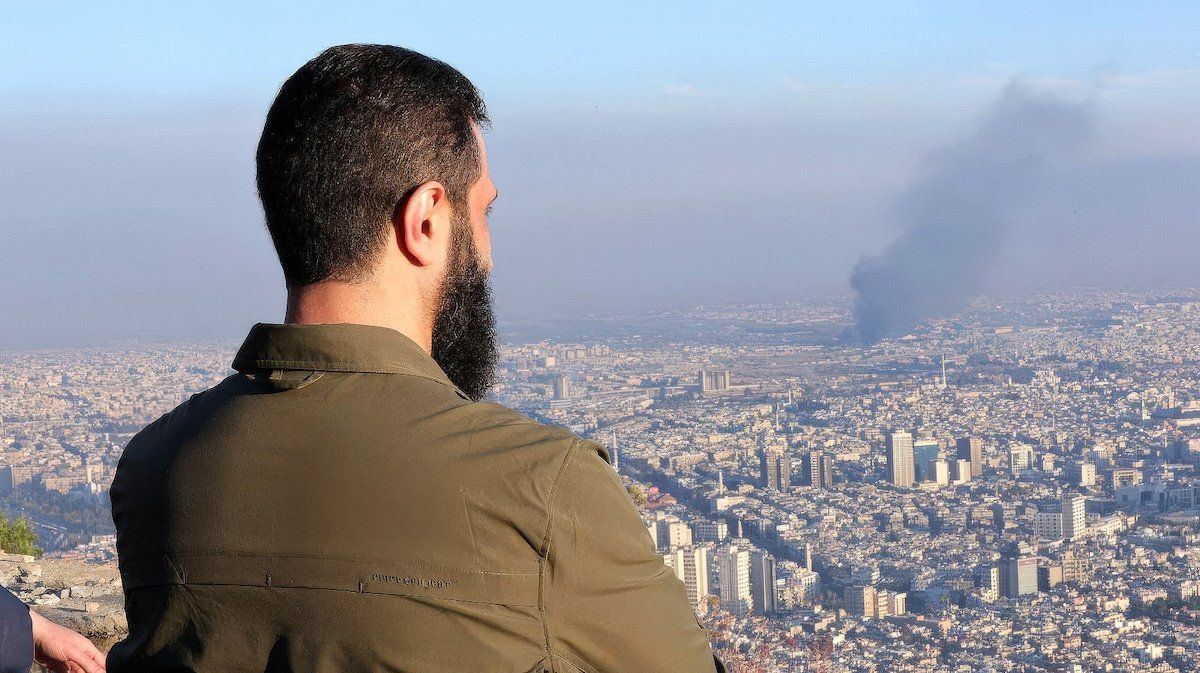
column 345, row 502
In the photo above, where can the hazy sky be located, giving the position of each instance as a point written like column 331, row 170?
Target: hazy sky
column 648, row 154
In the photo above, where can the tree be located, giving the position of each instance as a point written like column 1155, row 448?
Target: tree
column 638, row 495
column 18, row 537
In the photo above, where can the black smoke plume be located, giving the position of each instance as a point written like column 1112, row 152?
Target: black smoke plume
column 955, row 215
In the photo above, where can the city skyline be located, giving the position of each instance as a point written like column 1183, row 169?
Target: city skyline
column 1048, row 511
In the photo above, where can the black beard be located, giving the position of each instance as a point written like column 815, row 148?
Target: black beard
column 464, row 329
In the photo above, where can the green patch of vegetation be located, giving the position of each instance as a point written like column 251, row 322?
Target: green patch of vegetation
column 18, row 537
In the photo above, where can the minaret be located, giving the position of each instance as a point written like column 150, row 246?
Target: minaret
column 721, row 482
column 943, row 386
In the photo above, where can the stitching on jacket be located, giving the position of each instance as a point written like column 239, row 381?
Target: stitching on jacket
column 415, row 564
column 412, row 597
column 572, row 661
column 544, row 549
column 544, row 552
column 341, row 367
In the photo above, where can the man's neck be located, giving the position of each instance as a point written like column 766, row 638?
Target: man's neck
column 361, row 304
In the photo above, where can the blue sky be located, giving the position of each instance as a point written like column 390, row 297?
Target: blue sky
column 582, row 53
column 650, row 154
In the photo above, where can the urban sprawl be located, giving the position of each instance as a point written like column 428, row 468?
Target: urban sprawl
column 1012, row 488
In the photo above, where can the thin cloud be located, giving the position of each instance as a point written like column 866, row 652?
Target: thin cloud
column 680, row 90
column 793, row 84
column 1179, row 77
column 1046, row 84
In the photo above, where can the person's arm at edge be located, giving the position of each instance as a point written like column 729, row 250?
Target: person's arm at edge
column 610, row 601
column 26, row 636
column 61, row 649
column 16, row 634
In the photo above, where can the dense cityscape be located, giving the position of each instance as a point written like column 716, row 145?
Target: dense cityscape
column 1008, row 489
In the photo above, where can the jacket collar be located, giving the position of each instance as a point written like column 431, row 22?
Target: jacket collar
column 341, row 347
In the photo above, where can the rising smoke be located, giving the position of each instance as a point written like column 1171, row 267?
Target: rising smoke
column 955, row 215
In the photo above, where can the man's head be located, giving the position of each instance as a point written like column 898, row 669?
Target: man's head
column 372, row 173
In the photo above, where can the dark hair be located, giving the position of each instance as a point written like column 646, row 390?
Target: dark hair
column 349, row 136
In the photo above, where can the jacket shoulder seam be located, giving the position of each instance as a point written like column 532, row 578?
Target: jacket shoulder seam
column 544, row 549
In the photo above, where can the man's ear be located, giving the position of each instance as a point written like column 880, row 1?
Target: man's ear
column 422, row 224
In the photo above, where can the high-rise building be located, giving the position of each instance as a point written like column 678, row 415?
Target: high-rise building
column 1082, row 474
column 1180, row 450
column 1121, row 477
column 1074, row 516
column 562, row 387
column 869, row 601
column 861, row 600
column 762, row 583
column 1075, row 567
column 818, row 469
column 15, row 476
column 713, row 380
column 673, row 533
column 940, row 471
column 711, row 531
column 1049, row 576
column 925, row 451
column 1048, row 525
column 733, row 567
column 1046, row 462
column 805, row 585
column 961, row 470
column 775, row 470
column 691, row 566
column 987, row 578
column 1018, row 571
column 1020, row 458
column 900, row 458
column 971, row 448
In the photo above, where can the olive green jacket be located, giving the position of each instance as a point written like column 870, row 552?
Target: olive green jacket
column 339, row 505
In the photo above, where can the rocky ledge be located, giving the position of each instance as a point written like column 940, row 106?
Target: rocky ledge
column 82, row 596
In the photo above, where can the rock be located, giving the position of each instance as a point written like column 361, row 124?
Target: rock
column 101, row 621
column 84, row 597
